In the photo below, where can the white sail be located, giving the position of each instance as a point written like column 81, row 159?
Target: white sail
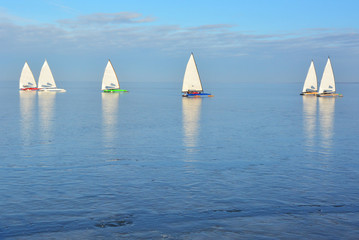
column 327, row 83
column 110, row 80
column 27, row 79
column 311, row 82
column 46, row 80
column 191, row 80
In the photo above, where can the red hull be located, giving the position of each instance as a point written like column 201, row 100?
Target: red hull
column 29, row 89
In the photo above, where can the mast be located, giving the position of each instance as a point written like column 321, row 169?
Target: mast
column 199, row 77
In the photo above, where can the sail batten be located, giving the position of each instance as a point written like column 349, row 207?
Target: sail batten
column 46, row 79
column 27, row 79
column 191, row 79
column 110, row 80
column 311, row 81
column 327, row 84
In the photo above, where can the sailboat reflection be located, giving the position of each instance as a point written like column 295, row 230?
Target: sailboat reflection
column 109, row 116
column 27, row 107
column 326, row 116
column 191, row 112
column 310, row 117
column 46, row 108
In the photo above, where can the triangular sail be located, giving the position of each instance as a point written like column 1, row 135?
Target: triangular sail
column 311, row 82
column 27, row 79
column 327, row 83
column 46, row 80
column 110, row 80
column 191, row 80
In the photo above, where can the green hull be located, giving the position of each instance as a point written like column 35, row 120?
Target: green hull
column 115, row 90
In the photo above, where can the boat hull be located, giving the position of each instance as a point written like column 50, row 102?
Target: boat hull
column 29, row 89
column 52, row 90
column 329, row 95
column 197, row 95
column 309, row 93
column 114, row 90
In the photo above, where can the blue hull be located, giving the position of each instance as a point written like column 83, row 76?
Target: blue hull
column 197, row 95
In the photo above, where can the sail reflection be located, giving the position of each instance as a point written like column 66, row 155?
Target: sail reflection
column 46, row 108
column 27, row 109
column 310, row 117
column 326, row 117
column 191, row 112
column 109, row 116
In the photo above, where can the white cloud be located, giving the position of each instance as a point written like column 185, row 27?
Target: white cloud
column 103, row 19
column 125, row 30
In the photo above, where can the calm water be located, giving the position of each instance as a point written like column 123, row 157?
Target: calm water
column 254, row 162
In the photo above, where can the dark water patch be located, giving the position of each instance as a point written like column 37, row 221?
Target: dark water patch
column 114, row 221
column 162, row 222
column 339, row 205
column 228, row 210
column 116, row 159
column 29, row 228
column 118, row 223
column 309, row 205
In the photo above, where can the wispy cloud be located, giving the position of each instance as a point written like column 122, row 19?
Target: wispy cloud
column 212, row 27
column 61, row 6
column 104, row 19
column 124, row 30
column 6, row 17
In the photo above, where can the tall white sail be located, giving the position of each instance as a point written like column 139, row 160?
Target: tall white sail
column 311, row 82
column 27, row 79
column 327, row 83
column 46, row 80
column 191, row 80
column 110, row 80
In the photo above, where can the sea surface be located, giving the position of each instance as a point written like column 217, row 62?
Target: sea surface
column 256, row 161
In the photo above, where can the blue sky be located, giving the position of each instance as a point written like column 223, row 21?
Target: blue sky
column 233, row 40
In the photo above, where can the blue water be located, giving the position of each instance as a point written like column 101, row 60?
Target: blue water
column 257, row 161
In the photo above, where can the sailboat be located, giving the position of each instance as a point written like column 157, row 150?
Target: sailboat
column 47, row 81
column 192, row 86
column 110, row 81
column 327, row 84
column 27, row 80
column 311, row 83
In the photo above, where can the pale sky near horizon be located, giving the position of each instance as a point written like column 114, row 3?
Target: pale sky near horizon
column 233, row 40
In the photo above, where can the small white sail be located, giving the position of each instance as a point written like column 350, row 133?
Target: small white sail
column 27, row 79
column 46, row 80
column 191, row 80
column 110, row 80
column 327, row 84
column 311, row 82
